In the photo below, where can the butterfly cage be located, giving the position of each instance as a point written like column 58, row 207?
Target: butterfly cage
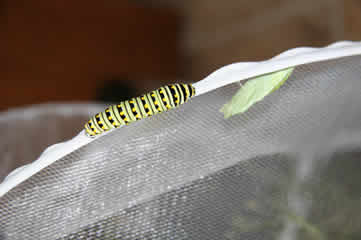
column 288, row 168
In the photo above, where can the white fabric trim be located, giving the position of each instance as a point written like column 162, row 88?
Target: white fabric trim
column 224, row 76
column 291, row 58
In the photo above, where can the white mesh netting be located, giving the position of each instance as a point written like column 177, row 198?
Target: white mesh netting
column 289, row 168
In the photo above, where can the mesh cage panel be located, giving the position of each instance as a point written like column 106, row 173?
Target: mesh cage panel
column 47, row 123
column 286, row 169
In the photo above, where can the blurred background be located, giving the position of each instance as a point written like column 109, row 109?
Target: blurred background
column 81, row 51
column 108, row 51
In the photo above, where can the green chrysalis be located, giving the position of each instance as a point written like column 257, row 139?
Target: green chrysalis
column 254, row 90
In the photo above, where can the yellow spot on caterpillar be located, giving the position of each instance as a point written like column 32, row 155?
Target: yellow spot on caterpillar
column 154, row 102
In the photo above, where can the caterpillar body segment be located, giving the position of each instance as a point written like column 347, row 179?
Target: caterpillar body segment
column 126, row 112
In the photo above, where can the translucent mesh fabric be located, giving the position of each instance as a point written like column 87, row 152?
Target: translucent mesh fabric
column 289, row 168
column 26, row 132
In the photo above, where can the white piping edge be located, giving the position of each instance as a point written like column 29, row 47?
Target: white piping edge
column 223, row 76
column 291, row 58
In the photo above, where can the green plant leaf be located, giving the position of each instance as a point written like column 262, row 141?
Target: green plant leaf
column 254, row 90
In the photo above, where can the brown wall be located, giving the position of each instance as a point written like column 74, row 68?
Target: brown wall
column 353, row 19
column 222, row 32
column 64, row 50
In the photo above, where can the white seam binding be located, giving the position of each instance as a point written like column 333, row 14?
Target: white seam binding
column 226, row 75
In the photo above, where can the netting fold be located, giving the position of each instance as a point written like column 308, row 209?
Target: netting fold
column 286, row 169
